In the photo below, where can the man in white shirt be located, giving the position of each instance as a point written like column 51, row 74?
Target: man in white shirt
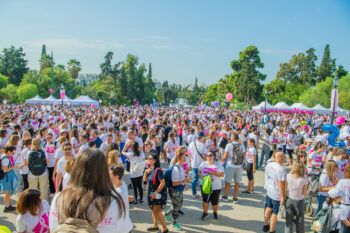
column 109, row 140
column 61, row 164
column 275, row 179
column 84, row 142
column 198, row 155
column 233, row 170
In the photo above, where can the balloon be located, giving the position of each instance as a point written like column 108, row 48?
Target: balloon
column 246, row 106
column 303, row 123
column 215, row 103
column 305, row 127
column 334, row 134
column 229, row 97
column 92, row 105
column 250, row 102
column 340, row 120
column 51, row 91
column 134, row 100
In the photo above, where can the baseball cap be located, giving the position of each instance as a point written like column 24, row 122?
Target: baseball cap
column 63, row 131
column 302, row 146
column 200, row 134
column 334, row 193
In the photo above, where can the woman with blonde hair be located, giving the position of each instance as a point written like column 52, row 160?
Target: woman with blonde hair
column 328, row 181
column 114, row 158
column 296, row 187
column 14, row 141
column 38, row 176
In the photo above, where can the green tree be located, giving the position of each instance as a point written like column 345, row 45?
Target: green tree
column 26, row 91
column 327, row 66
column 344, row 92
column 3, row 81
column 249, row 79
column 43, row 50
column 106, row 66
column 46, row 61
column 340, row 71
column 74, row 67
column 9, row 92
column 321, row 94
column 13, row 65
column 212, row 93
column 275, row 88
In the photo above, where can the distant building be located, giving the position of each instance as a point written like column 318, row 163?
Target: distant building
column 85, row 79
column 157, row 84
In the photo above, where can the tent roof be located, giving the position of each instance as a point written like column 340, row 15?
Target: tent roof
column 300, row 106
column 282, row 105
column 262, row 106
column 319, row 107
column 84, row 99
column 50, row 98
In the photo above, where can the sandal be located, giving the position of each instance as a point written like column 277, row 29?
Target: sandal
column 153, row 229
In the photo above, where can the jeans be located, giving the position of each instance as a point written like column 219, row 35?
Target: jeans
column 257, row 160
column 321, row 199
column 137, row 187
column 294, row 208
column 43, row 183
column 264, row 156
column 195, row 179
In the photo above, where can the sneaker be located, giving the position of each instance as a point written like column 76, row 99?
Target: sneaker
column 197, row 196
column 141, row 201
column 215, row 216
column 234, row 200
column 247, row 192
column 135, row 202
column 181, row 212
column 204, row 216
column 177, row 227
column 9, row 208
column 224, row 198
column 266, row 228
column 167, row 217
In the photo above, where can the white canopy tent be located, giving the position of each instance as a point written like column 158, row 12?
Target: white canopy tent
column 340, row 111
column 320, row 109
column 261, row 106
column 300, row 106
column 85, row 100
column 35, row 100
column 282, row 106
column 66, row 100
column 49, row 100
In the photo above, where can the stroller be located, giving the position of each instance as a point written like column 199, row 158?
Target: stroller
column 312, row 191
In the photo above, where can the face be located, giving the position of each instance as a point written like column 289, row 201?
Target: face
column 302, row 158
column 151, row 161
column 211, row 156
column 49, row 138
column 109, row 140
column 67, row 150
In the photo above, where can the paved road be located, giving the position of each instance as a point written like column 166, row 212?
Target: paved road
column 246, row 216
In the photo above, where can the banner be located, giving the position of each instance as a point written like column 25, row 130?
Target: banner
column 334, row 99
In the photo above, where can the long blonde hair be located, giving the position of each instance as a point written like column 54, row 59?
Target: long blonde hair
column 113, row 156
column 13, row 141
column 36, row 144
column 179, row 153
column 298, row 168
column 330, row 167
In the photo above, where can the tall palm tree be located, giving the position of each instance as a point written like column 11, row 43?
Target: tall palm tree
column 74, row 67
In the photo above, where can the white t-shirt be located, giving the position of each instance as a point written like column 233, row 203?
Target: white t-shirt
column 24, row 156
column 295, row 187
column 133, row 159
column 325, row 182
column 59, row 154
column 178, row 174
column 274, row 172
column 61, row 165
column 339, row 214
column 103, row 146
column 229, row 149
column 50, row 153
column 185, row 165
column 291, row 138
column 205, row 168
column 196, row 159
column 250, row 153
column 344, row 185
column 172, row 147
column 123, row 191
column 112, row 222
column 316, row 159
column 341, row 167
column 75, row 142
column 33, row 224
column 66, row 179
column 83, row 147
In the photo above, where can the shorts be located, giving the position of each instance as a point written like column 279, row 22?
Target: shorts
column 250, row 173
column 213, row 197
column 272, row 204
column 233, row 172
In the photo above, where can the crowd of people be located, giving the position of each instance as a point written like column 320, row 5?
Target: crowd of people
column 67, row 165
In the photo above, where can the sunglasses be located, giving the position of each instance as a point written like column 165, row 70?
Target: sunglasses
column 149, row 158
column 211, row 155
column 49, row 138
column 67, row 149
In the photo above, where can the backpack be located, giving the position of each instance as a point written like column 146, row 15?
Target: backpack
column 167, row 176
column 37, row 162
column 237, row 155
column 322, row 221
column 2, row 173
column 299, row 139
column 72, row 225
column 206, row 187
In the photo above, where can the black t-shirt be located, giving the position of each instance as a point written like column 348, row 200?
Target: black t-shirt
column 166, row 132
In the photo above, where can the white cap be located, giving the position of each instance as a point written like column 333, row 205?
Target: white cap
column 334, row 193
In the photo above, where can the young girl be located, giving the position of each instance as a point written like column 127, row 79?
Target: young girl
column 339, row 213
column 33, row 212
column 250, row 159
column 314, row 160
column 68, row 169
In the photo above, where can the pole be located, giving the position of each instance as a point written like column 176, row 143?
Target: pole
column 51, row 70
column 332, row 117
column 265, row 105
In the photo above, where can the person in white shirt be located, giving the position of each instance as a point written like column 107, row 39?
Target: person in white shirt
column 117, row 172
column 171, row 146
column 198, row 155
column 275, row 177
column 23, row 168
column 33, row 213
column 233, row 166
column 81, row 193
column 84, row 142
column 250, row 157
column 342, row 160
column 109, row 140
column 215, row 171
column 328, row 181
column 61, row 164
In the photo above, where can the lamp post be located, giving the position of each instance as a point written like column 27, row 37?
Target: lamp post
column 51, row 71
column 335, row 96
column 265, row 95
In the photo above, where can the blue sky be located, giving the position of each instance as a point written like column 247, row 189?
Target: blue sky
column 183, row 39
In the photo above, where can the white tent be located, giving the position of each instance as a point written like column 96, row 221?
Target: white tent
column 261, row 106
column 320, row 109
column 49, row 100
column 66, row 100
column 84, row 100
column 300, row 107
column 340, row 111
column 35, row 100
column 282, row 106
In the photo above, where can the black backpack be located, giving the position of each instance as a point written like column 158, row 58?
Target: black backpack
column 299, row 139
column 237, row 154
column 37, row 162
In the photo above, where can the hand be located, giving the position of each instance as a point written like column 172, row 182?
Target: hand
column 188, row 179
column 148, row 170
column 283, row 201
column 153, row 196
column 16, row 166
column 254, row 170
column 212, row 173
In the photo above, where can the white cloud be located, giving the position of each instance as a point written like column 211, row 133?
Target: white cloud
column 74, row 44
column 163, row 38
column 277, row 51
column 157, row 46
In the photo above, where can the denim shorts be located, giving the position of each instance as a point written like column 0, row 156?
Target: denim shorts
column 272, row 204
